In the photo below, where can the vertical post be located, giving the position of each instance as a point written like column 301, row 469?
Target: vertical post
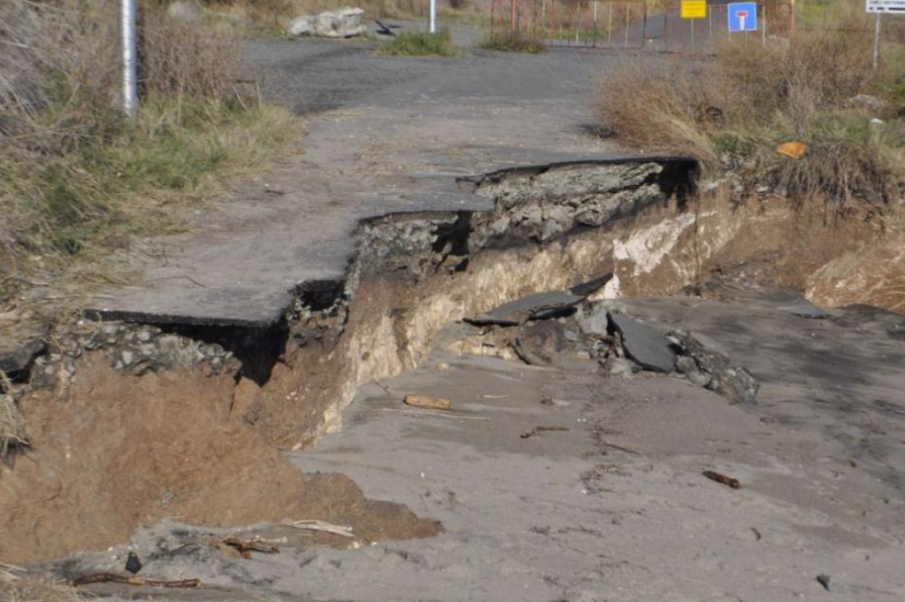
column 130, row 59
column 609, row 24
column 433, row 26
column 692, row 34
column 763, row 25
column 877, row 42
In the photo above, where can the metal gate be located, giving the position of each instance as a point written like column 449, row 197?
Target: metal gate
column 627, row 24
column 573, row 23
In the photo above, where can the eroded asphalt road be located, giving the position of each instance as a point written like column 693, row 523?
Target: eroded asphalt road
column 384, row 135
column 613, row 509
column 557, row 483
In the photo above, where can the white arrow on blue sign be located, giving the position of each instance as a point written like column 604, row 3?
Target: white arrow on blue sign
column 742, row 16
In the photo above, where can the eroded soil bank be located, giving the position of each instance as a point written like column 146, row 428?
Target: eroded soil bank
column 152, row 421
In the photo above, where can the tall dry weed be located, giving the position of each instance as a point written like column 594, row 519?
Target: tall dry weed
column 750, row 97
column 61, row 122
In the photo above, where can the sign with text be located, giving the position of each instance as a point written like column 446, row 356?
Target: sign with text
column 694, row 9
column 742, row 16
column 886, row 6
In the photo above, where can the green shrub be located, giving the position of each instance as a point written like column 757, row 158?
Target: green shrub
column 420, row 44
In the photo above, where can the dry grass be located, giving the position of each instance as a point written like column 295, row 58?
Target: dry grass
column 76, row 178
column 733, row 111
column 515, row 41
column 13, row 436
column 16, row 589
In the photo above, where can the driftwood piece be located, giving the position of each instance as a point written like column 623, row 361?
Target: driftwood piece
column 136, row 581
column 722, row 479
column 317, row 525
column 431, row 403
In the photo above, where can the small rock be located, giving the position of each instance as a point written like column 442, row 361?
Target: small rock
column 866, row 101
column 185, row 11
column 133, row 564
column 618, row 367
column 343, row 23
column 127, row 357
column 824, row 580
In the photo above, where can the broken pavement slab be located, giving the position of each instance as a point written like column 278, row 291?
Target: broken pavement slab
column 538, row 306
column 645, row 345
column 704, row 365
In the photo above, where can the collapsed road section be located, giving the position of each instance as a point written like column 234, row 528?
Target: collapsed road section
column 181, row 417
column 562, row 438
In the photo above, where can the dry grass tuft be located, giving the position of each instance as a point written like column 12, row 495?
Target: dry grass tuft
column 515, row 41
column 13, row 436
column 734, row 110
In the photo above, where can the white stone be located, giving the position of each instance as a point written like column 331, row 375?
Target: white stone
column 342, row 23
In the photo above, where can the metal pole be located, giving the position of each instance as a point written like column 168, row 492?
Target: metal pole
column 433, row 16
column 130, row 59
column 877, row 42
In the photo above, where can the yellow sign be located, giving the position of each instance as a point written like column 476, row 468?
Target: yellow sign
column 694, row 9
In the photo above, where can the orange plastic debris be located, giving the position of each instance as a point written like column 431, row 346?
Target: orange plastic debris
column 792, row 149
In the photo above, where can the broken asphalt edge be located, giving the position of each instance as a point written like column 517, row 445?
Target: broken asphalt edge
column 682, row 170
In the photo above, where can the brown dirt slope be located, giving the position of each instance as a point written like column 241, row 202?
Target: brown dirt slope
column 117, row 451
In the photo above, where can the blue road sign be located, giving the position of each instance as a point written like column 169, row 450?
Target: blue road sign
column 742, row 16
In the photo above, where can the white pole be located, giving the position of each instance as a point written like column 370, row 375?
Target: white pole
column 433, row 16
column 130, row 59
column 877, row 43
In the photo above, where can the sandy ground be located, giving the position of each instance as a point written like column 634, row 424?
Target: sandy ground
column 615, row 508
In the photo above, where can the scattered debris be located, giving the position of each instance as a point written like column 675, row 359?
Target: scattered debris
column 317, row 525
column 544, row 429
column 133, row 563
column 539, row 306
column 643, row 344
column 824, row 580
column 244, row 547
column 430, row 403
column 136, row 581
column 794, row 150
column 385, row 29
column 722, row 479
column 707, row 367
